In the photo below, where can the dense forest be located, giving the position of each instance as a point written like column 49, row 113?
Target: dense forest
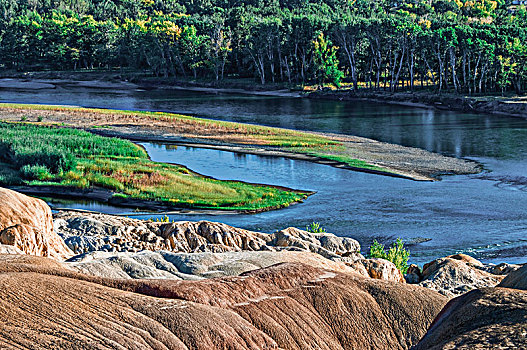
column 468, row 46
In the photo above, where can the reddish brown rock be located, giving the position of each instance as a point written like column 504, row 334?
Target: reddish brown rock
column 26, row 223
column 288, row 306
column 487, row 318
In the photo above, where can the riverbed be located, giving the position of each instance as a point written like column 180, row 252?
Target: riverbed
column 484, row 215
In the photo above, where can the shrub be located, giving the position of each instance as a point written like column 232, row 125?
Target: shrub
column 36, row 172
column 164, row 219
column 397, row 254
column 315, row 227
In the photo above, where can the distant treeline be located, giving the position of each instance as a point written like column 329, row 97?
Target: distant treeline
column 470, row 46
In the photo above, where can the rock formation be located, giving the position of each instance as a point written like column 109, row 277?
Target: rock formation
column 457, row 274
column 9, row 249
column 288, row 306
column 482, row 319
column 516, row 279
column 26, row 223
column 379, row 269
column 192, row 266
column 85, row 232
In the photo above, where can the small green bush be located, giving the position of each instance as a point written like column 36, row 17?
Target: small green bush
column 164, row 219
column 36, row 172
column 315, row 227
column 396, row 254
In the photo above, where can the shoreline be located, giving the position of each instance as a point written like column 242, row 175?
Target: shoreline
column 490, row 105
column 484, row 104
column 259, row 151
column 107, row 197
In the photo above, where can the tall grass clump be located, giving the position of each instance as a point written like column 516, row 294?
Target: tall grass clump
column 25, row 145
column 397, row 254
column 36, row 172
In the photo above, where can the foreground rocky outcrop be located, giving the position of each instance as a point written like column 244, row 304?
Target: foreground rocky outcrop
column 118, row 247
column 487, row 318
column 26, row 224
column 290, row 306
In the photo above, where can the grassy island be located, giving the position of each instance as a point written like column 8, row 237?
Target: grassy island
column 39, row 155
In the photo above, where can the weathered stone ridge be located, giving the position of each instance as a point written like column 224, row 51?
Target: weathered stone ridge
column 192, row 266
column 455, row 275
column 85, row 232
column 487, row 318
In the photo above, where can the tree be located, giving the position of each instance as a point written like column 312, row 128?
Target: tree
column 326, row 62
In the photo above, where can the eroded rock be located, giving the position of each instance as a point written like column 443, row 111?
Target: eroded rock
column 488, row 318
column 380, row 269
column 516, row 279
column 192, row 266
column 9, row 249
column 504, row 269
column 26, row 223
column 84, row 232
column 457, row 274
column 287, row 306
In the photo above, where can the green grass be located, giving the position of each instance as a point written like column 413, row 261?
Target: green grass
column 45, row 155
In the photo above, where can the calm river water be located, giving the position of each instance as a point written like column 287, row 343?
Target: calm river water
column 484, row 215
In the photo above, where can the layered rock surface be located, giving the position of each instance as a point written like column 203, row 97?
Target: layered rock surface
column 84, row 232
column 26, row 224
column 288, row 306
column 487, row 318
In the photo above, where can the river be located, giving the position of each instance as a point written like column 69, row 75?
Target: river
column 484, row 215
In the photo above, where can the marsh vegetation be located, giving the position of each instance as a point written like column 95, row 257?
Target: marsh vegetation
column 37, row 155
